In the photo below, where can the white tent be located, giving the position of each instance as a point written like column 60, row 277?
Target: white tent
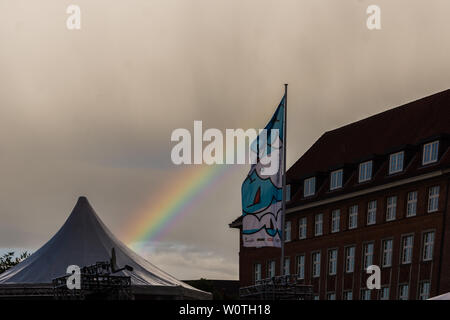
column 445, row 296
column 84, row 240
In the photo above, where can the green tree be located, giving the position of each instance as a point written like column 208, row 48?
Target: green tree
column 8, row 260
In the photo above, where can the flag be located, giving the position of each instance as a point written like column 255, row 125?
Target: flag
column 262, row 190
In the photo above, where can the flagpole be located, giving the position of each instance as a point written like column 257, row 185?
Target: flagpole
column 283, row 212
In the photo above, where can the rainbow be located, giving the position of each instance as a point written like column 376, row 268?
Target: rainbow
column 173, row 202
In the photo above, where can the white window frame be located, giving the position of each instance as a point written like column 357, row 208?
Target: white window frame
column 407, row 248
column 433, row 199
column 428, row 246
column 384, row 293
column 366, row 294
column 347, row 295
column 368, row 251
column 318, row 224
column 287, row 231
column 302, row 228
column 396, row 162
column 301, row 267
column 391, row 208
column 335, row 220
column 353, row 217
column 257, row 272
column 332, row 262
column 411, row 204
column 287, row 266
column 331, row 296
column 271, row 271
column 424, row 294
column 386, row 256
column 309, row 187
column 403, row 294
column 372, row 212
column 365, row 171
column 430, row 152
column 350, row 259
column 316, row 264
column 336, row 179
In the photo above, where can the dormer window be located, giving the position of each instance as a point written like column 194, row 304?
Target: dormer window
column 309, row 187
column 430, row 152
column 365, row 171
column 396, row 162
column 336, row 179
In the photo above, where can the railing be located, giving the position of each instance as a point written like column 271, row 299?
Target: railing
column 277, row 288
column 95, row 281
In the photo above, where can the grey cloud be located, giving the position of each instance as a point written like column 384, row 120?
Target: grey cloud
column 91, row 112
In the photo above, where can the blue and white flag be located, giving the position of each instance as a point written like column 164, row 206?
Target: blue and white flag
column 262, row 190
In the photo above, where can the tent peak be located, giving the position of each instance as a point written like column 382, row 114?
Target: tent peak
column 83, row 206
column 82, row 199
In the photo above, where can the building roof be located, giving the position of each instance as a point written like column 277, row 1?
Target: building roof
column 407, row 124
column 84, row 240
column 403, row 128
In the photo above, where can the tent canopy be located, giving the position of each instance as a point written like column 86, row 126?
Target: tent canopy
column 84, row 240
column 445, row 296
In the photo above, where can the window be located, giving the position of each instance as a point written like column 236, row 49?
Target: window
column 424, row 291
column 387, row 253
column 403, row 292
column 271, row 269
column 302, row 222
column 336, row 179
column 287, row 266
column 287, row 231
column 349, row 259
column 433, row 199
column 384, row 293
column 430, row 152
column 309, row 187
column 348, row 295
column 428, row 244
column 318, row 226
column 365, row 294
column 411, row 205
column 316, row 297
column 331, row 296
column 396, row 162
column 335, row 220
column 257, row 272
column 332, row 262
column 353, row 217
column 365, row 171
column 368, row 255
column 407, row 248
column 391, row 211
column 372, row 212
column 301, row 267
column 316, row 264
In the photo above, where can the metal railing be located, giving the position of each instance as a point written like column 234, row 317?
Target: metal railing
column 277, row 288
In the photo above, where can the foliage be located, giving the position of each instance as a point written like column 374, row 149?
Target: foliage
column 8, row 260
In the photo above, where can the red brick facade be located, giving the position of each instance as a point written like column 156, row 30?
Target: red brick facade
column 415, row 176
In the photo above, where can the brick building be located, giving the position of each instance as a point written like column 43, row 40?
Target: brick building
column 374, row 192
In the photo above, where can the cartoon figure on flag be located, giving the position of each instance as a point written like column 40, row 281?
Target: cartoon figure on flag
column 262, row 190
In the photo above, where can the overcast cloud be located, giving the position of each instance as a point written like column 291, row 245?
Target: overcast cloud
column 90, row 112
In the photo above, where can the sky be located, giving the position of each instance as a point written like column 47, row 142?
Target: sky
column 91, row 111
